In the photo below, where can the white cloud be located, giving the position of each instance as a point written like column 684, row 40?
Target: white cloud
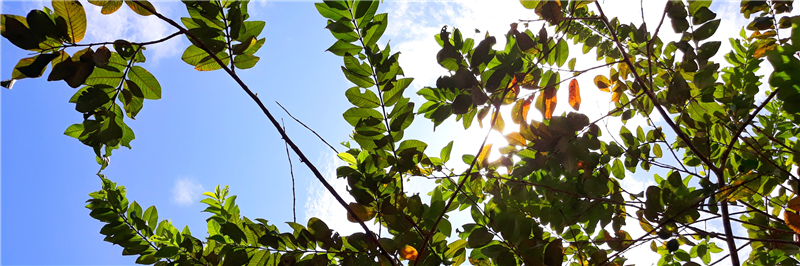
column 186, row 191
column 126, row 25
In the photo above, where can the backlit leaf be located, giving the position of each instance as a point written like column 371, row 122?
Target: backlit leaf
column 514, row 138
column 150, row 87
column 137, row 6
column 109, row 6
column 745, row 186
column 574, row 95
column 549, row 101
column 483, row 157
column 341, row 48
column 519, row 114
column 245, row 61
column 602, row 83
column 74, row 15
column 790, row 215
column 368, row 99
column 445, row 153
column 705, row 31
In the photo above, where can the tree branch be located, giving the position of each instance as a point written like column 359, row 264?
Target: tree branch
column 277, row 126
column 721, row 179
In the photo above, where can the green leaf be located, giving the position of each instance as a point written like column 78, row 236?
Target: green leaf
column 252, row 29
column 331, row 12
column 111, row 74
column 702, row 15
column 151, row 217
column 245, row 61
column 137, row 6
column 708, row 49
column 529, row 4
column 705, row 31
column 445, row 153
column 455, row 247
column 209, row 64
column 146, row 258
column 374, row 29
column 554, row 253
column 412, row 144
column 75, row 130
column 479, row 237
column 254, row 48
column 341, row 48
column 562, row 52
column 361, row 8
column 359, row 80
column 618, row 170
column 355, row 114
column 582, row 3
column 42, row 25
column 233, row 231
column 34, row 68
column 15, row 29
column 167, row 252
column 109, row 6
column 352, row 64
column 93, row 98
column 74, row 15
column 148, row 84
column 368, row 99
column 657, row 150
column 193, row 55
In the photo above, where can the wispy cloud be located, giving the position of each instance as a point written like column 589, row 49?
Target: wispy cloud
column 127, row 25
column 186, row 191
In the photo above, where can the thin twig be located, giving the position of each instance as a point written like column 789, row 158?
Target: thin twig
column 291, row 172
column 724, row 206
column 309, row 129
column 735, row 139
column 111, row 43
column 303, row 158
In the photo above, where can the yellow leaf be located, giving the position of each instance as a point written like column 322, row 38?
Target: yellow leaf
column 549, row 102
column 519, row 114
column 790, row 215
column 483, row 156
column 363, row 213
column 762, row 50
column 515, row 138
column 602, row 83
column 408, row 253
column 137, row 7
column 615, row 96
column 499, row 124
column 574, row 95
column 73, row 14
column 745, row 186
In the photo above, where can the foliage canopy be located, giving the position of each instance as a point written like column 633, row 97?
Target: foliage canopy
column 552, row 198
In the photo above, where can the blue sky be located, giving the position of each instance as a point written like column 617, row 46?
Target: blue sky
column 206, row 131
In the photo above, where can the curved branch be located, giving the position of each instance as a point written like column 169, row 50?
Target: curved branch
column 112, row 43
column 277, row 126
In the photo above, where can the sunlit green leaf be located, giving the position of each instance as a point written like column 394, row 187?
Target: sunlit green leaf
column 74, row 15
